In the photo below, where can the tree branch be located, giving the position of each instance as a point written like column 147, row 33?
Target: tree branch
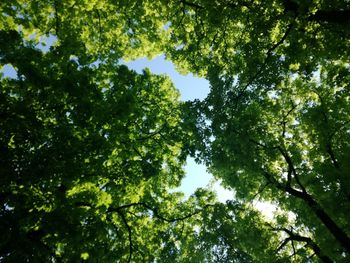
column 283, row 244
column 338, row 233
column 154, row 211
column 284, row 122
column 57, row 19
column 129, row 235
column 340, row 17
column 330, row 135
column 291, row 169
column 260, row 190
column 309, row 242
column 294, row 251
column 268, row 56
column 277, row 44
column 152, row 134
column 99, row 25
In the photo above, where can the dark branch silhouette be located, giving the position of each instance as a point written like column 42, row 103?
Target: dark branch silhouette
column 309, row 242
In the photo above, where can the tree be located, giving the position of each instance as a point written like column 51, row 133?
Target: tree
column 92, row 148
column 288, row 145
column 275, row 124
column 258, row 41
column 88, row 154
column 97, row 29
column 233, row 232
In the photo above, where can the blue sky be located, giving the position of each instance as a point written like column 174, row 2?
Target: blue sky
column 191, row 88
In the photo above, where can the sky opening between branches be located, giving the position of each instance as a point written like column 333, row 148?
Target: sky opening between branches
column 191, row 88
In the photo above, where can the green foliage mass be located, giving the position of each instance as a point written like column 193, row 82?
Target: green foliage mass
column 91, row 149
column 275, row 126
column 89, row 152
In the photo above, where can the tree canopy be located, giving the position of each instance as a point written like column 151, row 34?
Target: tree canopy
column 90, row 150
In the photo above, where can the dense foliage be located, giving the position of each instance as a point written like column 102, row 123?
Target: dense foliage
column 90, row 150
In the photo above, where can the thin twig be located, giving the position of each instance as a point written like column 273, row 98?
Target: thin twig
column 129, row 235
